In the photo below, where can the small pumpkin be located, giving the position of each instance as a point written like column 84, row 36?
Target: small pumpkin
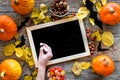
column 8, row 28
column 22, row 7
column 103, row 65
column 10, row 69
column 110, row 13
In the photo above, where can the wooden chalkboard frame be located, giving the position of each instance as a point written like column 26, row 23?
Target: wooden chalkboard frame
column 63, row 59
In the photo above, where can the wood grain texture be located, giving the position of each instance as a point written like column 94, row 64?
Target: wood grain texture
column 114, row 51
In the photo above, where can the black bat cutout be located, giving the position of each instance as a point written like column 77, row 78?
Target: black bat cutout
column 23, row 23
column 101, row 49
column 93, row 14
column 22, row 42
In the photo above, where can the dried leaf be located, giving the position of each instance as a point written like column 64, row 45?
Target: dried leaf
column 36, row 21
column 30, row 62
column 84, row 2
column 92, row 21
column 35, row 13
column 76, row 68
column 107, row 39
column 98, row 6
column 43, row 8
column 28, row 77
column 103, row 2
column 34, row 73
column 34, row 78
column 93, row 1
column 97, row 35
column 82, row 13
column 19, row 52
column 46, row 19
column 17, row 35
column 9, row 49
column 41, row 16
column 85, row 65
column 17, row 43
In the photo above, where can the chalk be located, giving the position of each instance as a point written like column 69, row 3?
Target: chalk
column 44, row 48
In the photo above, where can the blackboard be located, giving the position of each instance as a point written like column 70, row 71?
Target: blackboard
column 65, row 38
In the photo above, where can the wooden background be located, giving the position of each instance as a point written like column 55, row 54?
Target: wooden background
column 114, row 51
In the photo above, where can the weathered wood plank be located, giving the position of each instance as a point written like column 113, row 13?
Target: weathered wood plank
column 114, row 51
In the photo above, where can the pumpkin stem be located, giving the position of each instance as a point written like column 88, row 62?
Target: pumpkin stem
column 16, row 1
column 2, row 30
column 105, row 62
column 2, row 74
column 112, row 10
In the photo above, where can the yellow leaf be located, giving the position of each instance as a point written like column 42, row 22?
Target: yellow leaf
column 98, row 6
column 97, row 35
column 9, row 49
column 47, row 19
column 28, row 77
column 84, row 2
column 104, row 2
column 107, row 39
column 41, row 16
column 30, row 62
column 85, row 65
column 93, row 1
column 34, row 73
column 19, row 52
column 36, row 21
column 82, row 13
column 27, row 53
column 35, row 13
column 43, row 8
column 17, row 43
column 17, row 35
column 34, row 78
column 76, row 68
column 92, row 21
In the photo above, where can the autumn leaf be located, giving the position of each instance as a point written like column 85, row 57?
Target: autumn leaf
column 107, row 39
column 19, row 52
column 28, row 77
column 46, row 19
column 43, row 8
column 84, row 2
column 9, row 49
column 92, row 21
column 103, row 2
column 98, row 6
column 35, row 13
column 76, row 68
column 82, row 13
column 36, row 21
column 85, row 65
column 96, row 35
column 16, row 35
column 93, row 1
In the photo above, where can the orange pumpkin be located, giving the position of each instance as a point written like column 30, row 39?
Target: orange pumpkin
column 110, row 13
column 10, row 69
column 103, row 65
column 8, row 28
column 22, row 7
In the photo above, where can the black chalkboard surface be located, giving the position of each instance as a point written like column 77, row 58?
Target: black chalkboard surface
column 65, row 39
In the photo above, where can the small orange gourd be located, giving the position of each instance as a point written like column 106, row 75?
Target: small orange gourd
column 103, row 65
column 110, row 13
column 22, row 7
column 10, row 69
column 8, row 28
